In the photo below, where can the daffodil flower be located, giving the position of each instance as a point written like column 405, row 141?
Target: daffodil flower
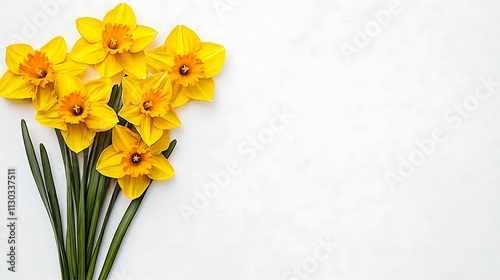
column 80, row 111
column 146, row 105
column 115, row 44
column 191, row 64
column 31, row 73
column 133, row 162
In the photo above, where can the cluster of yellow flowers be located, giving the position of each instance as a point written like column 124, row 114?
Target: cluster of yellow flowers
column 180, row 70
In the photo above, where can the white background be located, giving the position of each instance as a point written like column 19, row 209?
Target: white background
column 321, row 177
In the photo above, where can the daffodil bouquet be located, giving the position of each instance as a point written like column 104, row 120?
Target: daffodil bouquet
column 108, row 134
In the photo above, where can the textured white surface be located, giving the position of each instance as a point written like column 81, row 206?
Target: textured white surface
column 321, row 176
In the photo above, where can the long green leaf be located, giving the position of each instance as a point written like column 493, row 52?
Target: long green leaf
column 37, row 176
column 52, row 196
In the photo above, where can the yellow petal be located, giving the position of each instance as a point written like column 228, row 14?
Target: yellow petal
column 149, row 133
column 131, row 113
column 109, row 67
column 67, row 84
column 121, row 14
column 90, row 29
column 203, row 90
column 55, row 50
column 159, row 81
column 101, row 118
column 183, row 40
column 123, row 138
column 142, row 36
column 169, row 121
column 212, row 56
column 50, row 118
column 109, row 163
column 160, row 59
column 15, row 87
column 44, row 98
column 99, row 90
column 132, row 91
column 68, row 67
column 179, row 96
column 134, row 64
column 78, row 136
column 162, row 143
column 133, row 187
column 15, row 54
column 162, row 169
column 88, row 53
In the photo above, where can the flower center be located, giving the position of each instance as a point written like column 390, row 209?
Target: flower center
column 155, row 103
column 137, row 161
column 73, row 108
column 184, row 70
column 136, row 158
column 117, row 38
column 188, row 70
column 37, row 69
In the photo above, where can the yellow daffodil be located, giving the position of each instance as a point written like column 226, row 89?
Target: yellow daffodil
column 146, row 104
column 115, row 44
column 191, row 64
column 80, row 111
column 133, row 162
column 32, row 73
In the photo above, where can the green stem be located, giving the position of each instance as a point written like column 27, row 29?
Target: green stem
column 70, row 233
column 91, row 269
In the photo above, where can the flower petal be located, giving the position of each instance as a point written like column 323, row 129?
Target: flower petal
column 131, row 113
column 15, row 54
column 212, row 56
column 15, row 87
column 160, row 59
column 133, row 63
column 55, row 50
column 90, row 29
column 121, row 14
column 179, row 96
column 109, row 66
column 78, row 136
column 132, row 91
column 68, row 67
column 149, row 133
column 142, row 36
column 67, row 84
column 123, row 138
column 162, row 169
column 99, row 89
column 88, row 53
column 109, row 163
column 169, row 121
column 133, row 187
column 183, row 40
column 159, row 81
column 101, row 118
column 50, row 118
column 162, row 143
column 203, row 90
column 44, row 98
